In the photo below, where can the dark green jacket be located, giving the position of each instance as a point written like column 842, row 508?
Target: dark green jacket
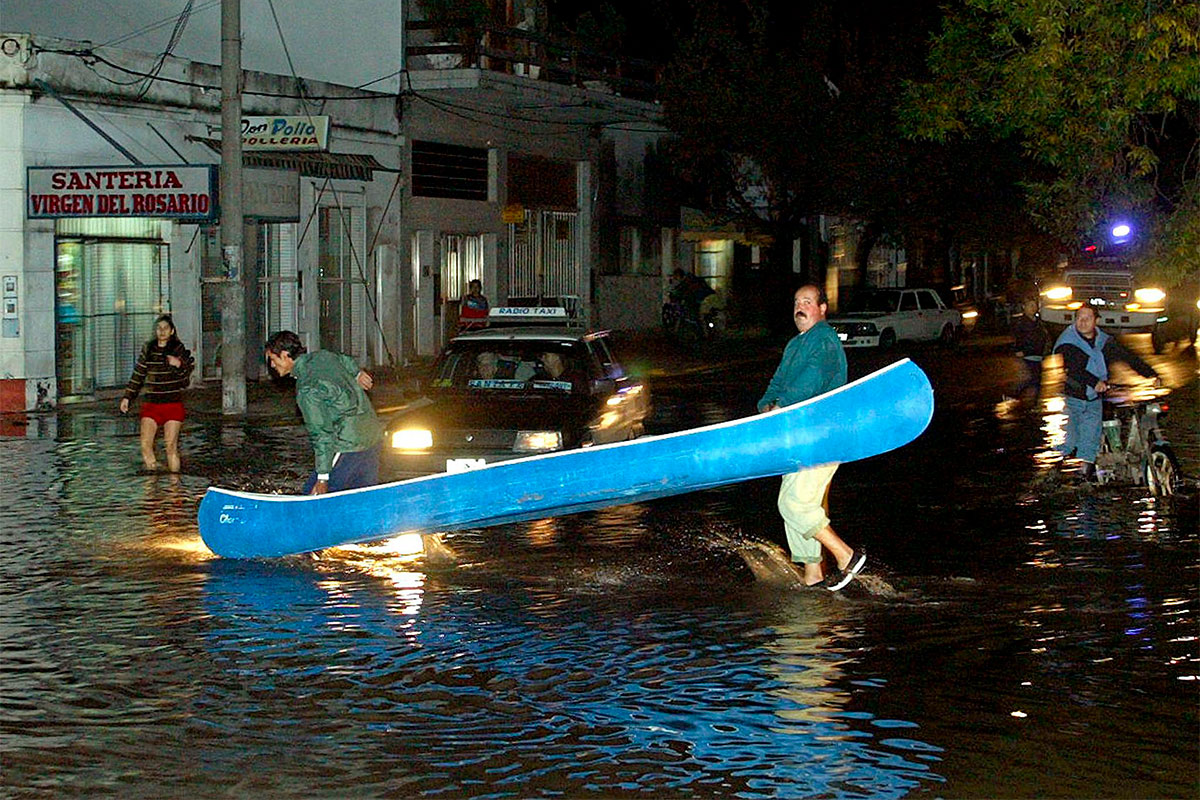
column 813, row 363
column 336, row 410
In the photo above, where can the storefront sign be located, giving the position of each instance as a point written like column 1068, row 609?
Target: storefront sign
column 271, row 194
column 164, row 191
column 285, row 133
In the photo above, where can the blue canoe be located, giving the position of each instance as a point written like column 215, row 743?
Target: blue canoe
column 872, row 415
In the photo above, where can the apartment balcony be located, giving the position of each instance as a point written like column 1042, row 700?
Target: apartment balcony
column 527, row 55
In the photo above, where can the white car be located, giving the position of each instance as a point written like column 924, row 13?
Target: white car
column 882, row 317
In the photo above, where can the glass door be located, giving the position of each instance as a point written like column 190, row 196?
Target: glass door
column 341, row 279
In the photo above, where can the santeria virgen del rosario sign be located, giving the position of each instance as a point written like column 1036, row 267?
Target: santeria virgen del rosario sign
column 285, row 133
column 170, row 191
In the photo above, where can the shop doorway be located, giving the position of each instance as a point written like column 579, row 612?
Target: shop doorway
column 341, row 279
column 112, row 279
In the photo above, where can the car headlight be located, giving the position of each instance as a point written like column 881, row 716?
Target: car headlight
column 1149, row 296
column 412, row 439
column 970, row 314
column 1058, row 293
column 537, row 441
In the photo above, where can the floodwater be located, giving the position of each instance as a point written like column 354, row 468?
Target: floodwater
column 1017, row 636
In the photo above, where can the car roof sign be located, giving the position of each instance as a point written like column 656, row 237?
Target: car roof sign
column 528, row 313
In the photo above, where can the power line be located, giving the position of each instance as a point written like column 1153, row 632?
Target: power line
column 454, row 109
column 162, row 23
column 172, row 42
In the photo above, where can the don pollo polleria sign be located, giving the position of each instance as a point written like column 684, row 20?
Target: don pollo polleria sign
column 168, row 191
column 285, row 133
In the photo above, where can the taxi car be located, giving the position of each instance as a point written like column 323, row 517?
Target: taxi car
column 881, row 317
column 501, row 393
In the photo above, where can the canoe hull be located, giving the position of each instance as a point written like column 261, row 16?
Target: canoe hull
column 878, row 413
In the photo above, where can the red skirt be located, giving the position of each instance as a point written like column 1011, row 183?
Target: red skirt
column 162, row 413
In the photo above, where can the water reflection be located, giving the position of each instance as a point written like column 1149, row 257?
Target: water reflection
column 657, row 649
column 588, row 695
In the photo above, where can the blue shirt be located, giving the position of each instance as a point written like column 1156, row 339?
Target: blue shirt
column 813, row 363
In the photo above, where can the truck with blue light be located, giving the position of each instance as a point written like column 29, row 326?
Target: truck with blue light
column 1122, row 303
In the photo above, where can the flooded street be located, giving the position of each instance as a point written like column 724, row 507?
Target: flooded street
column 1016, row 635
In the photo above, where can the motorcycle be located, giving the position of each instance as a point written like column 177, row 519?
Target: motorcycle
column 680, row 324
column 1133, row 448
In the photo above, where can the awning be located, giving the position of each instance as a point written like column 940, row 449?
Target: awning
column 350, row 166
column 696, row 226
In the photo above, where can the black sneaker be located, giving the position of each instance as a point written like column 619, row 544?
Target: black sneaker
column 1089, row 472
column 858, row 560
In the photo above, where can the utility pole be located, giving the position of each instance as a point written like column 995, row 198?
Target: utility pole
column 233, row 296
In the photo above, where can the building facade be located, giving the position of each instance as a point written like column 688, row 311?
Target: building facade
column 362, row 242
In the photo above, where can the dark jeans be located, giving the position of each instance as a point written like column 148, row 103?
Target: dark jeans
column 1032, row 379
column 350, row 471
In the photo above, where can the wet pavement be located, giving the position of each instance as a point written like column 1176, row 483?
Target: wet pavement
column 1016, row 635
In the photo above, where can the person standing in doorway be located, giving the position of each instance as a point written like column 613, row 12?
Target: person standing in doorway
column 1086, row 353
column 162, row 372
column 473, row 311
column 343, row 428
column 813, row 363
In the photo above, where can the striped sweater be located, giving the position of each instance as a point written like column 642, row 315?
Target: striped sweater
column 155, row 379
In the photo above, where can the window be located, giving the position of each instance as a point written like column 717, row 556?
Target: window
column 908, row 301
column 448, row 170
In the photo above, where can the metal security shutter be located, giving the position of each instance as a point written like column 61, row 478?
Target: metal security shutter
column 278, row 285
column 462, row 261
column 124, row 290
column 559, row 254
column 522, row 265
column 341, row 275
column 544, row 255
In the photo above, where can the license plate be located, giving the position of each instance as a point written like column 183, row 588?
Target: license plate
column 464, row 464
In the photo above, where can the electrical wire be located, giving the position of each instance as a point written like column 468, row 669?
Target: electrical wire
column 455, row 109
column 153, row 26
column 172, row 43
column 355, row 257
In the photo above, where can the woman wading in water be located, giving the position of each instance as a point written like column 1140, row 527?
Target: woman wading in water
column 162, row 373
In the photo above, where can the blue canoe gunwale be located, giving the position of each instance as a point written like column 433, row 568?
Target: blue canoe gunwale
column 872, row 415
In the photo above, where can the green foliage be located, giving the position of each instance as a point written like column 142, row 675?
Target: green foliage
column 785, row 111
column 750, row 119
column 1105, row 93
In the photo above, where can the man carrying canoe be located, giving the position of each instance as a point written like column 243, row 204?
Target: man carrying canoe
column 813, row 363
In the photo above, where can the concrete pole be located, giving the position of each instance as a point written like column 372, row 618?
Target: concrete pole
column 233, row 299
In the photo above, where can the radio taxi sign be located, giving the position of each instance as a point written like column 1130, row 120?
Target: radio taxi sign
column 169, row 191
column 528, row 312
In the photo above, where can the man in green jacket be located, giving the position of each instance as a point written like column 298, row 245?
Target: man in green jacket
column 813, row 363
column 330, row 391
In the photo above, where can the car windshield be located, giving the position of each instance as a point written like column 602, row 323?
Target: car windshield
column 513, row 366
column 872, row 301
